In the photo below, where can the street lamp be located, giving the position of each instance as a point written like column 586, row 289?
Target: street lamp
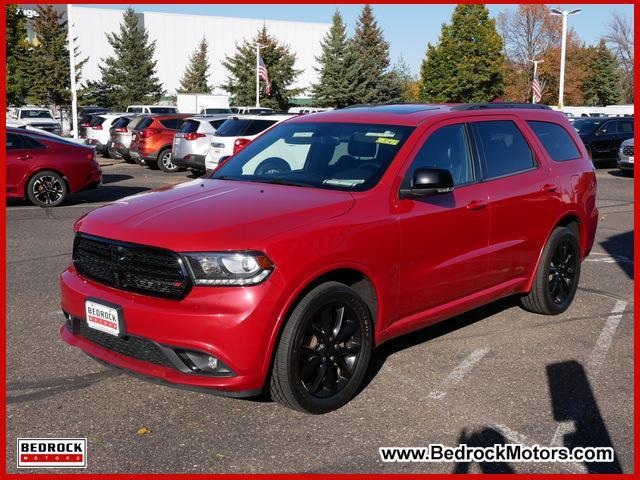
column 564, row 14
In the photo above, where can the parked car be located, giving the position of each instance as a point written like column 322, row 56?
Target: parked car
column 98, row 133
column 603, row 136
column 120, row 136
column 625, row 158
column 45, row 169
column 389, row 219
column 235, row 133
column 192, row 142
column 40, row 118
column 152, row 140
column 85, row 115
column 26, row 126
column 215, row 111
column 251, row 110
column 304, row 110
column 161, row 109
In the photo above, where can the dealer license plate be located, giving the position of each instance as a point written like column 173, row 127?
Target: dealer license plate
column 105, row 318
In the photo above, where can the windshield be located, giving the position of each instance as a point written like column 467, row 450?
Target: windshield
column 163, row 110
column 35, row 114
column 337, row 156
column 586, row 127
column 216, row 111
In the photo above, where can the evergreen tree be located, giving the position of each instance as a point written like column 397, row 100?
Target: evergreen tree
column 466, row 64
column 48, row 60
column 280, row 63
column 601, row 85
column 17, row 51
column 196, row 76
column 374, row 83
column 335, row 85
column 410, row 91
column 129, row 77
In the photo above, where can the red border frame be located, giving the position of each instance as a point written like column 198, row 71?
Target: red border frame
column 3, row 439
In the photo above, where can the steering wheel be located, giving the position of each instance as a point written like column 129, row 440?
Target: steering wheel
column 272, row 165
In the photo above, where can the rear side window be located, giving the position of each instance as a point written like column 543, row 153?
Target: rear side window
column 505, row 149
column 625, row 126
column 216, row 123
column 447, row 148
column 556, row 141
column 190, row 126
column 144, row 123
column 96, row 121
column 14, row 142
column 258, row 126
column 134, row 109
column 163, row 110
column 172, row 123
column 121, row 122
column 233, row 127
column 30, row 142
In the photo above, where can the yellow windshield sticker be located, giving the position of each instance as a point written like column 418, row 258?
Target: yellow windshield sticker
column 388, row 141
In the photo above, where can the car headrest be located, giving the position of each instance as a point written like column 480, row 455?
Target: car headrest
column 361, row 146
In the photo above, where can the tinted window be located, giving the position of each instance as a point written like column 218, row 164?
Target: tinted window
column 30, row 142
column 556, row 141
column 144, row 123
column 190, row 126
column 586, row 127
column 625, row 126
column 233, row 127
column 35, row 114
column 121, row 122
column 608, row 128
column 96, row 121
column 505, row 149
column 163, row 110
column 134, row 123
column 134, row 109
column 14, row 141
column 172, row 123
column 258, row 126
column 216, row 123
column 215, row 111
column 447, row 148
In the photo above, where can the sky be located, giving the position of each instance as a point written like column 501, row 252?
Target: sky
column 408, row 28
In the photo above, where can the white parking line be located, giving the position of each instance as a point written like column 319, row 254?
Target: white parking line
column 459, row 372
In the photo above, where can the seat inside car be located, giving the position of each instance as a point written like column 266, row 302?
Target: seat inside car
column 361, row 151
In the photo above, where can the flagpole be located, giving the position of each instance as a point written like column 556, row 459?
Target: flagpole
column 257, row 75
column 535, row 75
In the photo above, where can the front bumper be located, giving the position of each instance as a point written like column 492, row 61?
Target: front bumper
column 625, row 164
column 234, row 324
column 195, row 162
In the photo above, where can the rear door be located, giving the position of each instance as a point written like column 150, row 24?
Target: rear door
column 606, row 140
column 524, row 196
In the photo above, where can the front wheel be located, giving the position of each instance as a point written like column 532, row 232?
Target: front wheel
column 165, row 162
column 558, row 274
column 324, row 351
column 47, row 189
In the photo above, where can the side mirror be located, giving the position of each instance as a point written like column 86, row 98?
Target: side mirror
column 428, row 181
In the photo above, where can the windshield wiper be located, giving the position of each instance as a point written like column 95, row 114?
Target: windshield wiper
column 280, row 181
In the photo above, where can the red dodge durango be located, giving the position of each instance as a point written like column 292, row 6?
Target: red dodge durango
column 328, row 235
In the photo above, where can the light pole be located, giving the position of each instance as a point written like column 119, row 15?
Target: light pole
column 563, row 50
column 72, row 73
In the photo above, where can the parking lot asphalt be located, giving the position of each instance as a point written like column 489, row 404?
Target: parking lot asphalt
column 494, row 375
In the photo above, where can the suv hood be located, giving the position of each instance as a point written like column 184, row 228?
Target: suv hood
column 207, row 215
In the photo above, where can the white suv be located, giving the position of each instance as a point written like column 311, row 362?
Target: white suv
column 98, row 134
column 235, row 133
column 191, row 144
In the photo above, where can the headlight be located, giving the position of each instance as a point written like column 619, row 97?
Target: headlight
column 228, row 268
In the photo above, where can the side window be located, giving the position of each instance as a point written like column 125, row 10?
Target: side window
column 257, row 126
column 447, row 148
column 505, row 149
column 608, row 128
column 216, row 123
column 171, row 123
column 30, row 142
column 556, row 141
column 625, row 126
column 14, row 142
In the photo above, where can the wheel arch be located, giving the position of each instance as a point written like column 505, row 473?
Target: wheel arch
column 45, row 169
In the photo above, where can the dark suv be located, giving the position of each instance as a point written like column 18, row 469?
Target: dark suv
column 328, row 235
column 603, row 135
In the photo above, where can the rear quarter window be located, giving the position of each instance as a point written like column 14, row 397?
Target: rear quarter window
column 555, row 140
column 144, row 123
column 190, row 126
column 121, row 122
column 258, row 126
column 172, row 123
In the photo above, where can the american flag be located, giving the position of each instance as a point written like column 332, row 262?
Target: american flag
column 535, row 87
column 264, row 75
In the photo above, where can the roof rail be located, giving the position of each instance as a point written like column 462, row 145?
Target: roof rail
column 501, row 105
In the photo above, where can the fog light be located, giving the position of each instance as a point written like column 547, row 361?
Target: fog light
column 199, row 362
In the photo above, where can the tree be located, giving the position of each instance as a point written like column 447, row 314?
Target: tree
column 17, row 50
column 620, row 37
column 373, row 82
column 129, row 76
column 410, row 85
column 48, row 60
column 196, row 76
column 336, row 79
column 601, row 85
column 280, row 63
column 466, row 64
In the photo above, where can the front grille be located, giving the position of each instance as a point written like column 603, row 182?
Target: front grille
column 134, row 347
column 627, row 150
column 135, row 268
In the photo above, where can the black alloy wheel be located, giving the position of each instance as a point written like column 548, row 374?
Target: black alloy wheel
column 47, row 189
column 562, row 272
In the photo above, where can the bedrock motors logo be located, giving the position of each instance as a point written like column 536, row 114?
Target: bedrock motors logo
column 52, row 453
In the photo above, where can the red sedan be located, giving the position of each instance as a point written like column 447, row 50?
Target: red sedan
column 45, row 168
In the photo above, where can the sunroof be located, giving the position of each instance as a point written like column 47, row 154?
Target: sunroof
column 398, row 108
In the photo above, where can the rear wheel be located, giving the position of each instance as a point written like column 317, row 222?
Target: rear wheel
column 165, row 163
column 47, row 189
column 324, row 350
column 556, row 280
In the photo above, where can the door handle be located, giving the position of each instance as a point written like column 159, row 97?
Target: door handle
column 548, row 188
column 24, row 157
column 476, row 205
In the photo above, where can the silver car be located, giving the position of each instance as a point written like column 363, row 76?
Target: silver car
column 625, row 158
column 120, row 138
column 191, row 144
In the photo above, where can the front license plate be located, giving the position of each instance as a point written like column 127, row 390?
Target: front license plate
column 106, row 318
column 630, row 159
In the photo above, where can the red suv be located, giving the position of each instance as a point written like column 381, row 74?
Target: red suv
column 328, row 235
column 152, row 140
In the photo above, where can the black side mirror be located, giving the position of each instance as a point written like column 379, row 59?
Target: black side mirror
column 428, row 181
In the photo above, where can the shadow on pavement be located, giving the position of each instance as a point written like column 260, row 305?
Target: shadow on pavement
column 487, row 437
column 620, row 247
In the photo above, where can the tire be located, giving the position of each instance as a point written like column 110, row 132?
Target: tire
column 311, row 372
column 47, row 189
column 556, row 280
column 140, row 161
column 272, row 166
column 164, row 162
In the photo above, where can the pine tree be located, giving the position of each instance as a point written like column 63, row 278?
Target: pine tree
column 410, row 91
column 196, row 76
column 129, row 77
column 601, row 86
column 466, row 64
column 335, row 85
column 48, row 60
column 280, row 63
column 17, row 51
column 374, row 83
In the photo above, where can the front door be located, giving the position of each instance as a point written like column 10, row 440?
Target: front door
column 20, row 159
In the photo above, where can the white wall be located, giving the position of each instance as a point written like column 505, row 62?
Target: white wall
column 178, row 35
